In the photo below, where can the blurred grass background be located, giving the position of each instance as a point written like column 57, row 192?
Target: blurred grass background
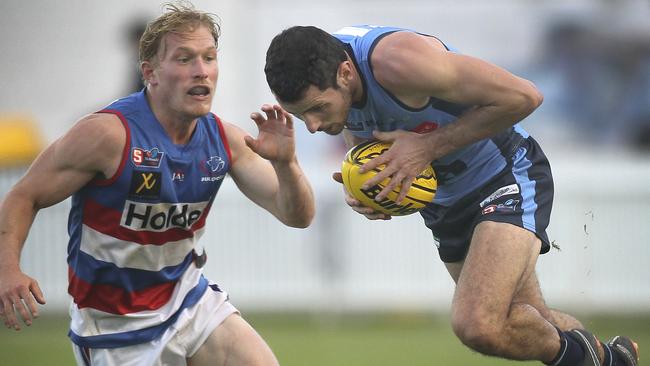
column 408, row 339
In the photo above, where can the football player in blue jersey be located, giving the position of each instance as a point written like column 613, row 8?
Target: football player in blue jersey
column 143, row 174
column 495, row 190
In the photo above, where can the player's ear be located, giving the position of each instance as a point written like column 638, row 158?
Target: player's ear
column 344, row 72
column 147, row 68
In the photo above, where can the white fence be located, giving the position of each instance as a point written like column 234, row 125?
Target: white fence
column 601, row 222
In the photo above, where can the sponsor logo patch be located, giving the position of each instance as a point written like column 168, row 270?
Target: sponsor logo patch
column 212, row 169
column 178, row 176
column 159, row 217
column 511, row 189
column 215, row 163
column 489, row 209
column 425, row 127
column 145, row 184
column 509, row 205
column 147, row 158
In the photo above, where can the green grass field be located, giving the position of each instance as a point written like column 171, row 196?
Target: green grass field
column 317, row 340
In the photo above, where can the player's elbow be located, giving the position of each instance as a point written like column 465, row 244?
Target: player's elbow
column 301, row 224
column 525, row 100
column 532, row 98
column 302, row 220
column 535, row 96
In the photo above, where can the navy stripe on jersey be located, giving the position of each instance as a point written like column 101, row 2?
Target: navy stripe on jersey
column 95, row 271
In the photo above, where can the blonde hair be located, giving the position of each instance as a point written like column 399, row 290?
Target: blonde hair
column 179, row 17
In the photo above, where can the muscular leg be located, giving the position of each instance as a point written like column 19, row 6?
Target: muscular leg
column 530, row 293
column 234, row 343
column 485, row 317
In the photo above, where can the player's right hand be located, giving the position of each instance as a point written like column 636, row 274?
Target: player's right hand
column 356, row 205
column 18, row 296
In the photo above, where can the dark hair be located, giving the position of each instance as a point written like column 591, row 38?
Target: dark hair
column 302, row 56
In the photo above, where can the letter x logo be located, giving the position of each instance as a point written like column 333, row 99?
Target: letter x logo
column 148, row 182
column 145, row 185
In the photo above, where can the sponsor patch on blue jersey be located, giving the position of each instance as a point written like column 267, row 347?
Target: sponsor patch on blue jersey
column 147, row 158
column 145, row 184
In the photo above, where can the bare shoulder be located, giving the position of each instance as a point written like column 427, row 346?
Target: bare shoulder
column 415, row 67
column 95, row 141
column 235, row 136
column 397, row 55
column 232, row 130
column 92, row 148
column 105, row 126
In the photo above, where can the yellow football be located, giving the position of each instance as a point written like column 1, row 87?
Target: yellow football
column 422, row 190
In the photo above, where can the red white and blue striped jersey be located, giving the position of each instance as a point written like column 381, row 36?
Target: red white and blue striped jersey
column 134, row 261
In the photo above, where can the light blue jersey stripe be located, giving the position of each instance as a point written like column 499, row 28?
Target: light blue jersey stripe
column 527, row 187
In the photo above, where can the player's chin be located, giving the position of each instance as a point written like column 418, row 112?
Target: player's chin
column 199, row 110
column 334, row 130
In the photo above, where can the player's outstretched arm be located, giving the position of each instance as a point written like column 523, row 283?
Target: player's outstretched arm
column 93, row 147
column 266, row 169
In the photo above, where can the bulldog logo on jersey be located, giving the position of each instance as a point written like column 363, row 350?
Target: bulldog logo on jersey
column 147, row 158
column 212, row 169
column 215, row 163
column 145, row 184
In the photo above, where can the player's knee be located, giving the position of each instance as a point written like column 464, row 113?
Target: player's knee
column 476, row 332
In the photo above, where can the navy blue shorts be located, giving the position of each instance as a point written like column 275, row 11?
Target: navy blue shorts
column 521, row 194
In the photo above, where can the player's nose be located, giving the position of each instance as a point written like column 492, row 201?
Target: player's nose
column 313, row 125
column 200, row 70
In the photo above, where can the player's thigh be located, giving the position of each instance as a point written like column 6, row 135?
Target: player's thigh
column 499, row 262
column 234, row 343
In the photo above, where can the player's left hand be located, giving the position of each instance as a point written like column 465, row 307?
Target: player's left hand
column 275, row 141
column 356, row 205
column 408, row 156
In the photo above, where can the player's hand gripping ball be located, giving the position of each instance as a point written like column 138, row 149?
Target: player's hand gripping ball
column 420, row 194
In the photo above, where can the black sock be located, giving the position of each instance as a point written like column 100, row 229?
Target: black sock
column 609, row 355
column 612, row 358
column 571, row 352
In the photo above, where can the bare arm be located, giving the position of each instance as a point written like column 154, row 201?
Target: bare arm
column 415, row 68
column 92, row 147
column 266, row 169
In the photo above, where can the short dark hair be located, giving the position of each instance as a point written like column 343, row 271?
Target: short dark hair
column 302, row 56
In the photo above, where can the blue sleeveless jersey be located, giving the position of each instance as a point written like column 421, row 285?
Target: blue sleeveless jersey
column 134, row 261
column 459, row 172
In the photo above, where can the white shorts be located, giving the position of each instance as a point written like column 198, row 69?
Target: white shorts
column 178, row 343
